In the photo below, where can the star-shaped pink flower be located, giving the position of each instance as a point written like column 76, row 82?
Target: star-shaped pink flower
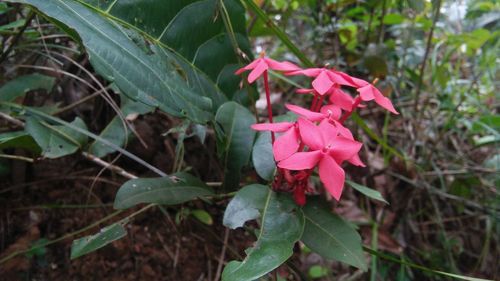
column 285, row 145
column 327, row 150
column 262, row 64
column 369, row 92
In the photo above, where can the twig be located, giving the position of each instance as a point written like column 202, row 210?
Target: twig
column 17, row 157
column 222, row 255
column 11, row 119
column 426, row 54
column 109, row 166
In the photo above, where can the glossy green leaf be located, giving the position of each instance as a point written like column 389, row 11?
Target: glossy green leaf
column 94, row 242
column 245, row 205
column 56, row 140
column 262, row 156
column 203, row 216
column 235, row 139
column 178, row 189
column 330, row 236
column 282, row 224
column 372, row 193
column 156, row 70
column 23, row 84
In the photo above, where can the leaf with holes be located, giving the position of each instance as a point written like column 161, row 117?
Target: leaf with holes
column 282, row 223
column 153, row 49
column 330, row 236
column 94, row 242
column 179, row 188
column 56, row 140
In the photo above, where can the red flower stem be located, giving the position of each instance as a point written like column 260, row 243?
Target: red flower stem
column 268, row 100
column 319, row 103
column 356, row 103
column 314, row 101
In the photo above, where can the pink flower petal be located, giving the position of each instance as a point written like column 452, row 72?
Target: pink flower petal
column 328, row 132
column 310, row 134
column 310, row 115
column 286, row 145
column 332, row 176
column 257, row 71
column 366, row 93
column 383, row 101
column 343, row 148
column 343, row 131
column 340, row 98
column 248, row 67
column 356, row 161
column 322, row 83
column 370, row 92
column 273, row 127
column 281, row 66
column 332, row 110
column 359, row 82
column 301, row 160
column 310, row 72
column 341, row 78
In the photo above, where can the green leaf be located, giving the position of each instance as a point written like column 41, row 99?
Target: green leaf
column 282, row 224
column 245, row 205
column 157, row 57
column 202, row 216
column 317, row 271
column 153, row 75
column 235, row 139
column 182, row 188
column 91, row 243
column 330, row 236
column 18, row 139
column 372, row 193
column 56, row 140
column 262, row 156
column 393, row 19
column 114, row 131
column 23, row 84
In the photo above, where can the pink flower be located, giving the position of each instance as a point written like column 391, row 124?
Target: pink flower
column 337, row 96
column 327, row 112
column 285, row 145
column 262, row 64
column 369, row 92
column 325, row 78
column 327, row 150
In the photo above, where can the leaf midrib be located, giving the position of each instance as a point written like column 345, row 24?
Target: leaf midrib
column 360, row 262
column 148, row 36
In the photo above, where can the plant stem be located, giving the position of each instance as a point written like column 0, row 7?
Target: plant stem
column 426, row 54
column 268, row 100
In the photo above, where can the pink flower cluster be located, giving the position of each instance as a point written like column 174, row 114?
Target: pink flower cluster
column 318, row 138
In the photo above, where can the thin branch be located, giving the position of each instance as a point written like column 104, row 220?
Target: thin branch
column 426, row 55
